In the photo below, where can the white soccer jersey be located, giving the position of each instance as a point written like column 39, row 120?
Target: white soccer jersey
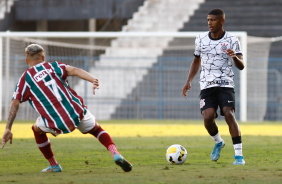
column 216, row 65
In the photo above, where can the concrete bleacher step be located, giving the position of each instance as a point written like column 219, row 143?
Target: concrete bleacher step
column 159, row 10
column 125, row 62
column 233, row 21
column 114, row 69
column 242, row 3
column 139, row 42
column 5, row 9
column 133, row 52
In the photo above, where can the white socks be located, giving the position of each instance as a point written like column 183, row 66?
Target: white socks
column 238, row 149
column 217, row 138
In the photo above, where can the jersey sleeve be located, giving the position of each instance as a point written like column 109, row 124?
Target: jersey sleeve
column 60, row 69
column 22, row 91
column 236, row 46
column 197, row 52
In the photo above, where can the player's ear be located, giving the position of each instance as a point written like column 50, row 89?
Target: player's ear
column 222, row 21
column 43, row 58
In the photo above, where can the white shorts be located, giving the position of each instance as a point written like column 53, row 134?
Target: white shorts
column 86, row 124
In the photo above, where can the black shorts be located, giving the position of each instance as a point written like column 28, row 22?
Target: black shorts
column 217, row 96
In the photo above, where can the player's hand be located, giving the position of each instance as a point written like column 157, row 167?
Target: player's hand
column 186, row 88
column 95, row 85
column 8, row 135
column 231, row 53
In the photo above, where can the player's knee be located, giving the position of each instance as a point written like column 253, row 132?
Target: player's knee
column 96, row 127
column 228, row 112
column 36, row 129
column 208, row 116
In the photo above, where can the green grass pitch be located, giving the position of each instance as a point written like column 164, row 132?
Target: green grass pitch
column 85, row 160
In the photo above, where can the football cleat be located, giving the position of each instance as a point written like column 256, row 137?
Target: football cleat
column 215, row 154
column 239, row 160
column 124, row 164
column 55, row 168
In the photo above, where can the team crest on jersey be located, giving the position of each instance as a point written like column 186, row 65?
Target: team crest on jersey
column 202, row 103
column 223, row 47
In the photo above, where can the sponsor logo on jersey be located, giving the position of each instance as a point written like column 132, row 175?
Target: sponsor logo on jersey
column 42, row 74
column 218, row 82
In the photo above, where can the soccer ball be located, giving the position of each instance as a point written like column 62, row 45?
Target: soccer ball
column 176, row 154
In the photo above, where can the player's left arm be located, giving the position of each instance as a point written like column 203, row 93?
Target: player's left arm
column 238, row 59
column 8, row 135
column 73, row 71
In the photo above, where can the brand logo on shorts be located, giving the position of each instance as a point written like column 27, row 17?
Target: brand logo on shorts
column 223, row 47
column 202, row 103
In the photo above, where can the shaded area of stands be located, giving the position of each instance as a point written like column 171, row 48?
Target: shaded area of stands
column 261, row 18
column 25, row 13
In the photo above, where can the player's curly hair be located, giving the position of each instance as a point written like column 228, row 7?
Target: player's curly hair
column 33, row 49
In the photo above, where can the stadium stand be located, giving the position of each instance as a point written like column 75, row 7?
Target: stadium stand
column 6, row 14
column 156, row 92
column 259, row 18
column 65, row 15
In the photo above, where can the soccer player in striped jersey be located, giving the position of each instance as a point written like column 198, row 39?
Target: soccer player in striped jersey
column 215, row 52
column 61, row 110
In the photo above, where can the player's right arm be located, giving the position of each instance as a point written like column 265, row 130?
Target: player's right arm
column 195, row 65
column 8, row 135
column 73, row 71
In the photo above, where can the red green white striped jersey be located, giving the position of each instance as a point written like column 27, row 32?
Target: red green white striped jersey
column 47, row 91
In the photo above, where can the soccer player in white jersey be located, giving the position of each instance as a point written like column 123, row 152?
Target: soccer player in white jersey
column 61, row 110
column 215, row 52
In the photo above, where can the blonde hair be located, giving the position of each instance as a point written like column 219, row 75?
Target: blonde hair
column 33, row 49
